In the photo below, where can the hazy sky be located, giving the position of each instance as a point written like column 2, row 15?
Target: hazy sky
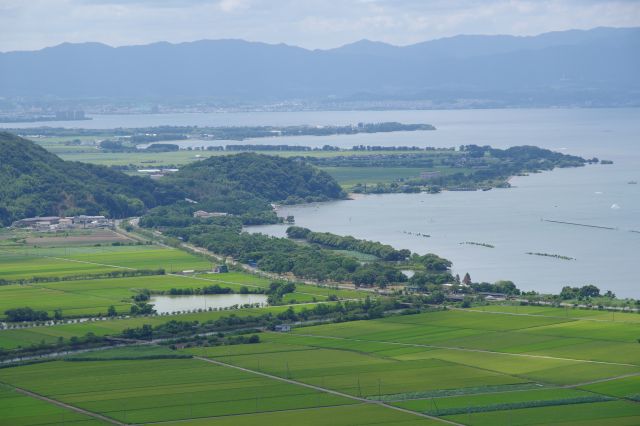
column 33, row 24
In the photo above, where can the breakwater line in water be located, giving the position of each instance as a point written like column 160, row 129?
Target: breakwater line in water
column 580, row 224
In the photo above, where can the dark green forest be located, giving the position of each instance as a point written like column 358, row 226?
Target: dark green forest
column 35, row 182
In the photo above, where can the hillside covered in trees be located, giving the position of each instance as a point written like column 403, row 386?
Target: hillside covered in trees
column 266, row 177
column 35, row 182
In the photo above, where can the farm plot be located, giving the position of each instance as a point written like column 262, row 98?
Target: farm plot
column 499, row 401
column 349, row 176
column 614, row 413
column 359, row 373
column 17, row 409
column 534, row 335
column 626, row 387
column 349, row 415
column 566, row 312
column 162, row 390
column 76, row 238
column 25, row 263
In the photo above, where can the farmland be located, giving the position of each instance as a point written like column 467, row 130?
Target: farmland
column 432, row 363
column 26, row 262
column 529, row 368
column 21, row 410
column 485, row 365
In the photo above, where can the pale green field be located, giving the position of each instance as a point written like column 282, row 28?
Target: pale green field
column 26, row 263
column 540, row 336
column 576, row 313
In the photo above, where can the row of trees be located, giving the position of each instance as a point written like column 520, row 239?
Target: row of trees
column 569, row 293
column 340, row 311
column 327, row 239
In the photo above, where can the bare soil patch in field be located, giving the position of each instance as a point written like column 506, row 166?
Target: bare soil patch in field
column 94, row 237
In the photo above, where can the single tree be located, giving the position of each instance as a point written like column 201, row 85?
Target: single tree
column 467, row 279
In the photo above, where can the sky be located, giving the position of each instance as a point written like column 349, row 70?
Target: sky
column 34, row 24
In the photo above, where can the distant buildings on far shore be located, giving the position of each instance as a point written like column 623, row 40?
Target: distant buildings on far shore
column 70, row 115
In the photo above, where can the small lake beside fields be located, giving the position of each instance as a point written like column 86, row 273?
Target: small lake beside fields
column 168, row 304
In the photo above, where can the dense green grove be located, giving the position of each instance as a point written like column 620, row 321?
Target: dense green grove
column 382, row 251
column 282, row 256
column 264, row 177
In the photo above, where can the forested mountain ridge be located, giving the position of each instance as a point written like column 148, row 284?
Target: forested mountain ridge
column 270, row 178
column 35, row 182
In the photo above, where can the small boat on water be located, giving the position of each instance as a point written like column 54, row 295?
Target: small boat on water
column 633, row 182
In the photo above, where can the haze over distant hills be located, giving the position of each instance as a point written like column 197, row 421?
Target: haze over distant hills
column 585, row 68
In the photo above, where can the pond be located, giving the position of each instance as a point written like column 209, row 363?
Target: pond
column 168, row 304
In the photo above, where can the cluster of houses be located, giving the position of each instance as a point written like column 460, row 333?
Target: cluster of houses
column 57, row 223
column 156, row 173
column 204, row 215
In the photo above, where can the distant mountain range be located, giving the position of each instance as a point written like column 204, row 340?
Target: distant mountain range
column 594, row 67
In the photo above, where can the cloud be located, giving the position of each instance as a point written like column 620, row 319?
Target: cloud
column 311, row 23
column 232, row 5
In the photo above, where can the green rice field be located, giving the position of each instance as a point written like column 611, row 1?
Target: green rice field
column 470, row 368
column 20, row 410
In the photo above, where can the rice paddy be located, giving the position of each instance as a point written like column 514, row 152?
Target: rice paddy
column 511, row 365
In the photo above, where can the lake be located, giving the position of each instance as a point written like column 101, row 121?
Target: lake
column 510, row 219
column 167, row 304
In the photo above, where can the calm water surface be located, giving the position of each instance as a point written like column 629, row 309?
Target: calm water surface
column 168, row 304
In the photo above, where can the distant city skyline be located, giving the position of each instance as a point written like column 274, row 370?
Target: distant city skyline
column 311, row 23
